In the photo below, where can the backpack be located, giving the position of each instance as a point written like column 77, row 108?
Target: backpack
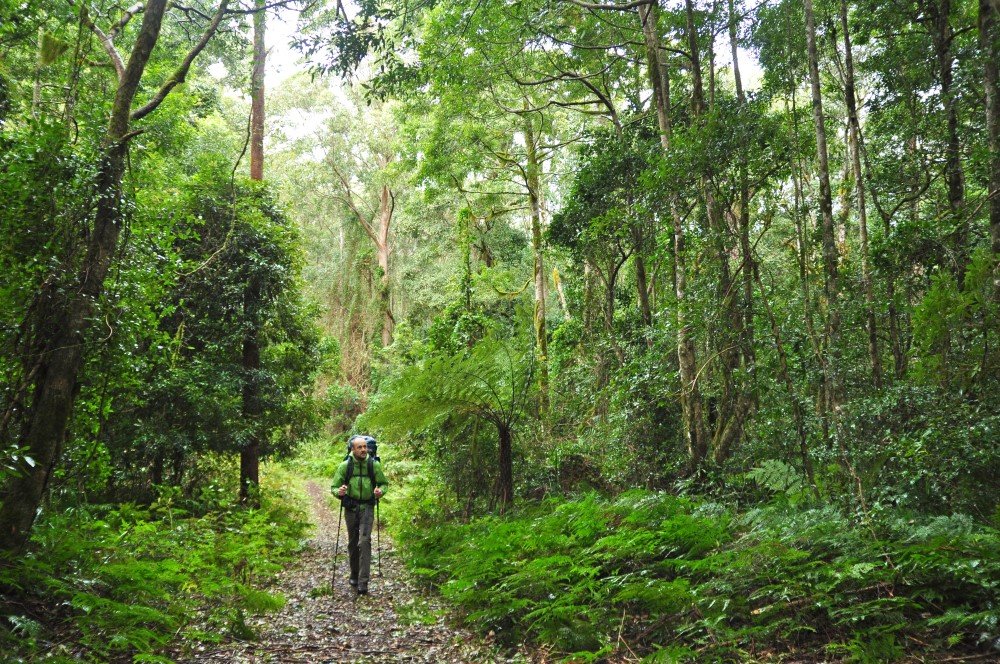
column 372, row 458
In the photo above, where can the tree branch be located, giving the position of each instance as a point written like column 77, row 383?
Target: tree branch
column 348, row 199
column 266, row 7
column 182, row 71
column 127, row 16
column 612, row 7
column 107, row 42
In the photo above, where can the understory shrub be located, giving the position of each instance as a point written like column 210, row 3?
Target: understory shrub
column 113, row 582
column 682, row 579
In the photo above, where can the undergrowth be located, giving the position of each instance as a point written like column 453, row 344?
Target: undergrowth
column 122, row 582
column 675, row 579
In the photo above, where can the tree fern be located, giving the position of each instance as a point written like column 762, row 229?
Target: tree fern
column 491, row 382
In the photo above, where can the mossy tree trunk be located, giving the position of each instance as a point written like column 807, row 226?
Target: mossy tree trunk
column 65, row 321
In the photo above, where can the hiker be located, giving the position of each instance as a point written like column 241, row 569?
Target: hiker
column 359, row 482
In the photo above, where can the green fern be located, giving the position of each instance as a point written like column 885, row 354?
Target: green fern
column 492, row 381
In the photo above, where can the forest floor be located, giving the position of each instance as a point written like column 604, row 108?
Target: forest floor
column 394, row 623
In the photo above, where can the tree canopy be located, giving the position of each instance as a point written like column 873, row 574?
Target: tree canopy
column 685, row 287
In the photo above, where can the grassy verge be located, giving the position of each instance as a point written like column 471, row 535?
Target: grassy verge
column 670, row 579
column 121, row 582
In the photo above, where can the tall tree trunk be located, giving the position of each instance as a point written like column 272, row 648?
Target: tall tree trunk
column 257, row 93
column 697, row 88
column 943, row 37
column 251, row 407
column 386, row 207
column 854, row 142
column 656, row 69
column 533, row 184
column 54, row 387
column 557, row 281
column 733, row 46
column 690, row 394
column 648, row 18
column 747, row 341
column 831, row 287
column 711, row 55
column 36, row 97
column 464, row 222
column 691, row 402
column 989, row 44
column 896, row 344
column 252, row 410
column 641, row 279
column 802, row 244
column 732, row 405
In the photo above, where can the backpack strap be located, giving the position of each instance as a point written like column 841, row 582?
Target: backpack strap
column 371, row 475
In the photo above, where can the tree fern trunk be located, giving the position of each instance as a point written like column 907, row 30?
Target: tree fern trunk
column 505, row 475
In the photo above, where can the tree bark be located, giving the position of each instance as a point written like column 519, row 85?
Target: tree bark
column 943, row 36
column 533, row 184
column 252, row 407
column 854, row 143
column 557, row 281
column 505, row 474
column 257, row 93
column 690, row 394
column 658, row 79
column 36, row 97
column 386, row 207
column 695, row 435
column 656, row 69
column 733, row 45
column 831, row 287
column 747, row 341
column 464, row 222
column 54, row 388
column 732, row 404
column 989, row 44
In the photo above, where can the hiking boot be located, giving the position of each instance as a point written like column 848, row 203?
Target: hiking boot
column 362, row 591
column 354, row 582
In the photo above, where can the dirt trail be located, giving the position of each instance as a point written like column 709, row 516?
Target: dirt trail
column 394, row 623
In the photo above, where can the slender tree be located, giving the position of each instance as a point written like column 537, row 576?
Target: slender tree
column 854, row 145
column 831, row 270
column 252, row 406
column 66, row 320
column 989, row 44
column 943, row 38
column 533, row 184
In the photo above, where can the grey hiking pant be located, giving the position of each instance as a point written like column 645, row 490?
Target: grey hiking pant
column 359, row 542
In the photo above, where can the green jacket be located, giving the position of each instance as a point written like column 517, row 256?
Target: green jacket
column 360, row 486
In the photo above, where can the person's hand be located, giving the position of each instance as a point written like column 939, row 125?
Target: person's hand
column 378, row 492
column 342, row 490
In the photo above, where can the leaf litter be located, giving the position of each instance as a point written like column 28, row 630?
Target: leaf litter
column 396, row 622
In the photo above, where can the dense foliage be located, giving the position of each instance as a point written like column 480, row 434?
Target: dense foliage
column 759, row 244
column 107, row 582
column 620, row 271
column 154, row 328
column 688, row 580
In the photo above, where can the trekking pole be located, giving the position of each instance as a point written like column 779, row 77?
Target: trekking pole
column 378, row 537
column 336, row 548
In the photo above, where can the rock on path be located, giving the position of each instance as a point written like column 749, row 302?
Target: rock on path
column 395, row 623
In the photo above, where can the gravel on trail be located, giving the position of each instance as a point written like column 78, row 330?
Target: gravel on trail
column 394, row 623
